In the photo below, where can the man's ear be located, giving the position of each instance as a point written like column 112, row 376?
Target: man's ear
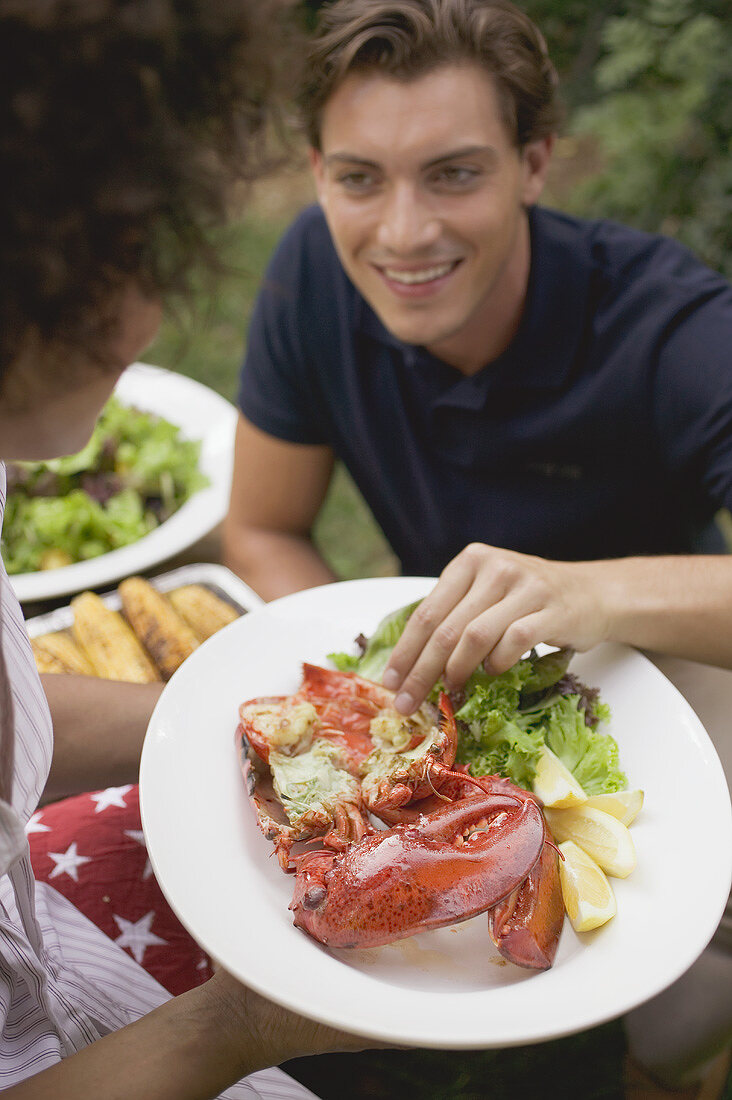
column 536, row 157
column 316, row 166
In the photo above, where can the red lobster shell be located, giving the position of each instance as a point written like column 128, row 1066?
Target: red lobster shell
column 458, row 846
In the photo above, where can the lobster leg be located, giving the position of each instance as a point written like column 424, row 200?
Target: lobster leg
column 460, row 861
column 453, row 784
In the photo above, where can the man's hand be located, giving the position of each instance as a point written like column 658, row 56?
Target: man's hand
column 493, row 605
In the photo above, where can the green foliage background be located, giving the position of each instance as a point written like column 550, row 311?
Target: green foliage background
column 662, row 120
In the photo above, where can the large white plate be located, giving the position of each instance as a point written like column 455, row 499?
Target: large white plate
column 446, row 988
column 200, row 413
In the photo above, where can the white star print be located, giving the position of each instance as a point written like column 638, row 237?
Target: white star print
column 139, row 836
column 34, row 824
column 113, row 796
column 68, row 862
column 136, row 935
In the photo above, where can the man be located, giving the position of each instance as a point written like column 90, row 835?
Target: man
column 534, row 406
column 123, row 126
column 492, row 373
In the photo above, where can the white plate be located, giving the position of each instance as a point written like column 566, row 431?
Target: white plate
column 201, row 414
column 446, row 988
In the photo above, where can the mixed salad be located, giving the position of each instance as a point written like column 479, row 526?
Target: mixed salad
column 505, row 721
column 133, row 474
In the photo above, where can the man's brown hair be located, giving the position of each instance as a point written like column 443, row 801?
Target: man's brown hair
column 404, row 39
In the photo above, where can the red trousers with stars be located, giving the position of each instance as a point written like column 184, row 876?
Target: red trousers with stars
column 91, row 849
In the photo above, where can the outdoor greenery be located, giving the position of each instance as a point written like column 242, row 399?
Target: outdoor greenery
column 663, row 123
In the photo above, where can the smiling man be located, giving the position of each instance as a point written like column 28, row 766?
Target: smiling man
column 426, row 208
column 536, row 407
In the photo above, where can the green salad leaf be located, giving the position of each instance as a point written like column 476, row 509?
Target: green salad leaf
column 591, row 756
column 135, row 472
column 494, row 744
column 373, row 660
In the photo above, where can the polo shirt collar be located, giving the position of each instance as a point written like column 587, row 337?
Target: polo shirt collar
column 542, row 353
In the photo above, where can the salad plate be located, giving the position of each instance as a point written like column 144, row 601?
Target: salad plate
column 447, row 988
column 201, row 414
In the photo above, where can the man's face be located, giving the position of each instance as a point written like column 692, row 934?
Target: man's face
column 424, row 195
column 52, row 396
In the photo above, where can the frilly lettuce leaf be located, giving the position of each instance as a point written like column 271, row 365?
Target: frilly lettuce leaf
column 373, row 660
column 496, row 745
column 592, row 757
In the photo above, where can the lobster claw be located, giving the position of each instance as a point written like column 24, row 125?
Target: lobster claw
column 526, row 926
column 458, row 862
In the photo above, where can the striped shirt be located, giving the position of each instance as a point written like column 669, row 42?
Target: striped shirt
column 63, row 983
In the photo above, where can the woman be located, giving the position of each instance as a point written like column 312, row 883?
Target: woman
column 124, row 126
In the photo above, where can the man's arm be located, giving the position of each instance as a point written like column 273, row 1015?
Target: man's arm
column 277, row 491
column 494, row 605
column 191, row 1048
column 98, row 730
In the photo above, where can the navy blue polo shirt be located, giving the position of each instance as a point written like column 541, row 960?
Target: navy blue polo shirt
column 605, row 428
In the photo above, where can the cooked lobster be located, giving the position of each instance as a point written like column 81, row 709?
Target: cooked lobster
column 337, row 751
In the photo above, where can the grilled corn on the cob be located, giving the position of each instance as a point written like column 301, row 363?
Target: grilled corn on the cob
column 46, row 662
column 165, row 635
column 65, row 653
column 204, row 612
column 112, row 647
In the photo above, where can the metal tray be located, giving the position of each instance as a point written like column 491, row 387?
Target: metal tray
column 220, row 580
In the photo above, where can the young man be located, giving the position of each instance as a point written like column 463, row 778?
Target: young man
column 527, row 401
column 122, row 127
column 536, row 407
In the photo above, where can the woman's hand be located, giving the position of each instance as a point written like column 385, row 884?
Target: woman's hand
column 274, row 1032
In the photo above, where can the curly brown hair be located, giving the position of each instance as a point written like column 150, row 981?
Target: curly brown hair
column 123, row 124
column 404, row 39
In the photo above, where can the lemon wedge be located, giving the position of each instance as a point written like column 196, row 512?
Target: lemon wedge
column 588, row 896
column 625, row 805
column 599, row 834
column 554, row 783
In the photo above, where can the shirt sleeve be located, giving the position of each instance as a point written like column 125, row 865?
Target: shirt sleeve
column 693, row 396
column 279, row 388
